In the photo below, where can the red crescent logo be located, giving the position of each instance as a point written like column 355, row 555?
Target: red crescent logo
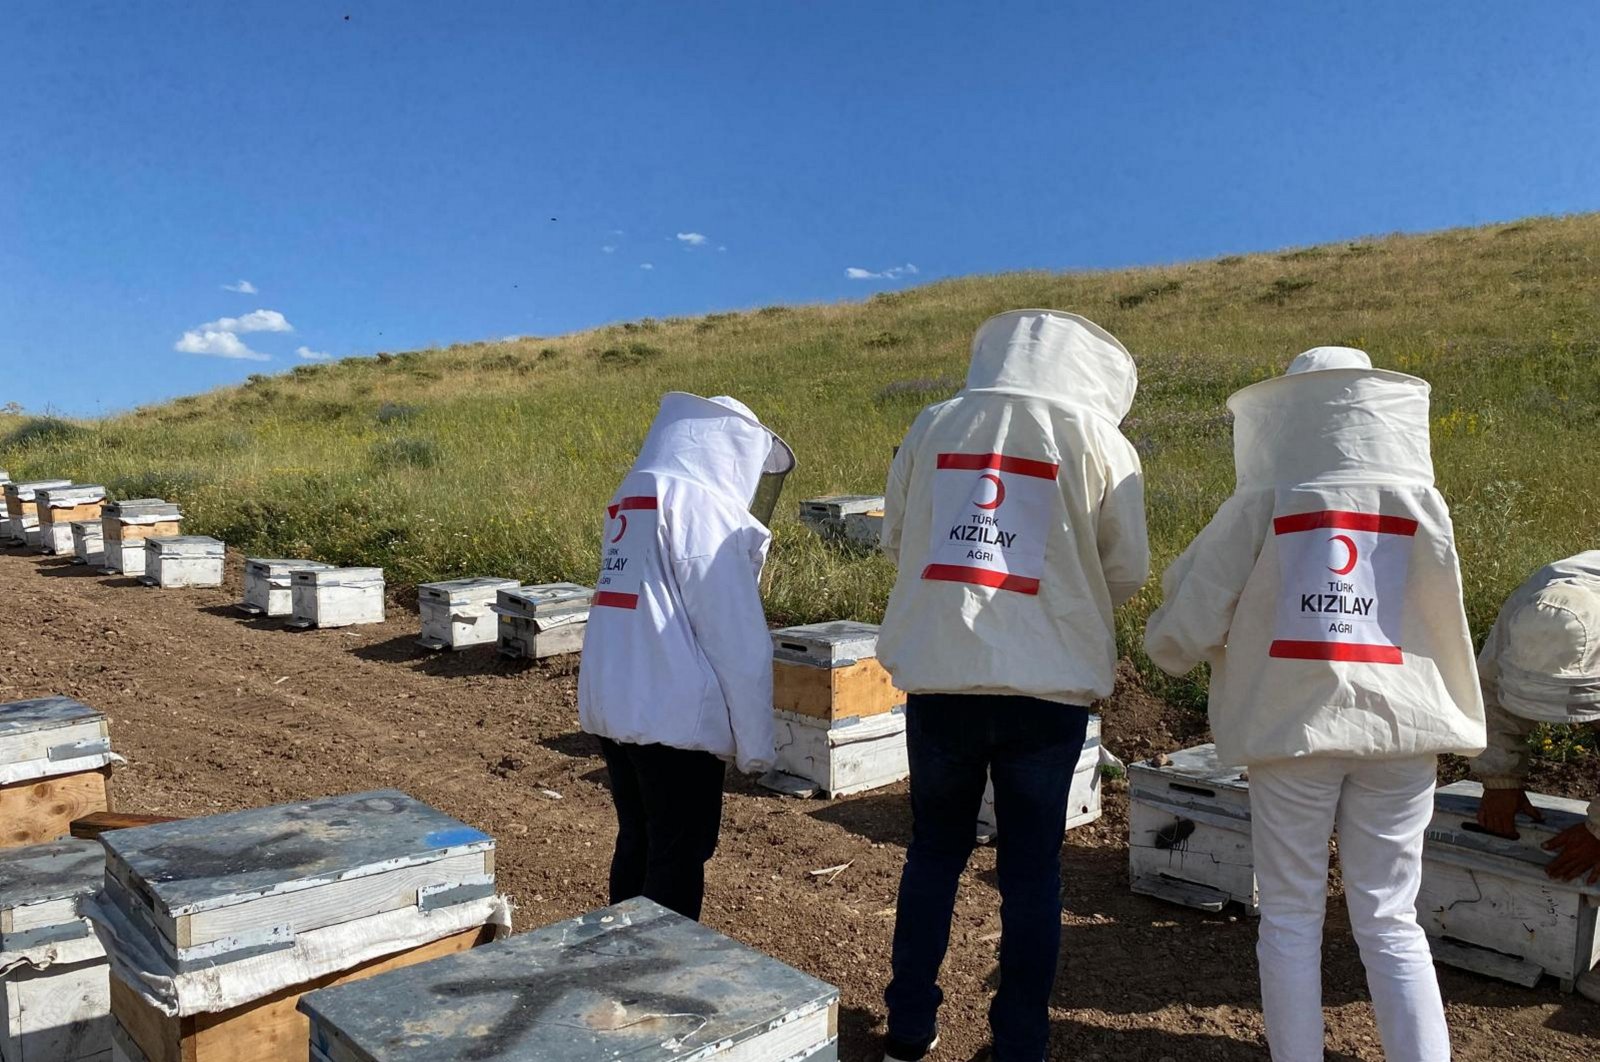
column 999, row 492
column 622, row 518
column 1350, row 562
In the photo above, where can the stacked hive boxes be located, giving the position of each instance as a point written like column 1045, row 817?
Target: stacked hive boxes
column 216, row 926
column 22, row 509
column 841, row 727
column 544, row 620
column 55, row 763
column 88, row 543
column 181, row 561
column 335, row 597
column 1083, row 800
column 1189, row 831
column 267, row 586
column 58, row 507
column 632, row 981
column 125, row 525
column 460, row 613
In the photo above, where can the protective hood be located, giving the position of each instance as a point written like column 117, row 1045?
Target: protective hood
column 1318, row 358
column 1056, row 356
column 1549, row 665
column 1331, row 423
column 717, row 443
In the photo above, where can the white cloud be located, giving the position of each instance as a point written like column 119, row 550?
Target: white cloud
column 217, row 344
column 244, row 287
column 892, row 273
column 693, row 239
column 312, row 355
column 254, row 321
column 722, row 247
column 610, row 248
column 647, row 265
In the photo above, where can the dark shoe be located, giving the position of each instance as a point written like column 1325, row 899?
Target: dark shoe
column 902, row 1051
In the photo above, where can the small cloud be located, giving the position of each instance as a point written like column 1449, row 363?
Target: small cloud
column 244, row 287
column 217, row 345
column 892, row 273
column 722, row 247
column 647, row 265
column 312, row 355
column 610, row 248
column 693, row 239
column 254, row 321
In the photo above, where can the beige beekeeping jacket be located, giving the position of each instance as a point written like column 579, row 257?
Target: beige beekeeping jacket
column 1541, row 664
column 1326, row 593
column 1016, row 514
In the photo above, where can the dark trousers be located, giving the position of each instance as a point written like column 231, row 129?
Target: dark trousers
column 1030, row 748
column 669, row 813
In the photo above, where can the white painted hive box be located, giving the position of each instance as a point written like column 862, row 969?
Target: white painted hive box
column 864, row 529
column 543, row 620
column 45, row 737
column 267, row 588
column 1488, row 906
column 55, row 992
column 88, row 543
column 22, row 509
column 632, row 981
column 460, row 612
column 1083, row 799
column 826, row 515
column 59, row 507
column 5, row 514
column 335, row 597
column 183, row 561
column 1189, row 831
column 126, row 524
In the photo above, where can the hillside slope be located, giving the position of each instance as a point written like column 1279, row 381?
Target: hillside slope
column 498, row 458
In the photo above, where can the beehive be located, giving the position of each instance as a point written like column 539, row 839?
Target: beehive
column 219, row 924
column 544, row 620
column 55, row 998
column 88, row 543
column 126, row 524
column 1083, row 799
column 55, row 764
column 183, row 561
column 631, row 981
column 267, row 589
column 460, row 613
column 1486, row 902
column 335, row 597
column 864, row 529
column 22, row 509
column 58, row 507
column 826, row 515
column 5, row 513
column 1189, row 831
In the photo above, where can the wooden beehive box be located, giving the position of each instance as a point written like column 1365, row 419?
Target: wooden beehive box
column 1488, row 906
column 55, row 1002
column 460, row 612
column 1083, row 799
column 1189, row 831
column 826, row 516
column 267, row 585
column 58, row 507
column 864, row 529
column 633, row 981
column 55, row 764
column 88, row 545
column 335, row 597
column 544, row 620
column 220, row 924
column 126, row 524
column 183, row 561
column 22, row 509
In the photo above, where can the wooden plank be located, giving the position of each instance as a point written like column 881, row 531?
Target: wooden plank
column 91, row 826
column 42, row 810
column 857, row 690
column 36, row 744
column 66, row 515
column 64, row 1013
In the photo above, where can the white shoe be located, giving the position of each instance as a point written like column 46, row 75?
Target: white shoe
column 887, row 1057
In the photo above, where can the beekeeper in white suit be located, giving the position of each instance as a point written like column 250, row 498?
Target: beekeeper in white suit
column 1326, row 596
column 1541, row 664
column 677, row 662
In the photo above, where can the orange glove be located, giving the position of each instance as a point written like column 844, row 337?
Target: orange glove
column 1499, row 808
column 1577, row 852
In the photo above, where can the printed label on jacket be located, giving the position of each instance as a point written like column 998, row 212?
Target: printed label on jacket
column 991, row 516
column 1343, row 585
column 630, row 534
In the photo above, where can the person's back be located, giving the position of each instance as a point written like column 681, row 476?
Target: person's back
column 1015, row 512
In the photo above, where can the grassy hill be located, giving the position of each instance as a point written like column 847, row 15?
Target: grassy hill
column 497, row 458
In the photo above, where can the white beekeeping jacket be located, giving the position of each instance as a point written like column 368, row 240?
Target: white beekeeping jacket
column 1326, row 592
column 677, row 651
column 1016, row 514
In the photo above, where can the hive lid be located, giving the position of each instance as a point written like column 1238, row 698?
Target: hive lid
column 279, row 566
column 27, row 491
column 541, row 598
column 77, row 494
column 142, row 508
column 837, row 643
column 478, row 586
column 186, row 545
column 54, row 871
column 338, row 576
column 629, row 981
column 1198, row 764
column 842, row 504
column 200, row 864
column 44, row 713
column 87, row 527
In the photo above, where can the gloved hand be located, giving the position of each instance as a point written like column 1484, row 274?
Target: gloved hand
column 1499, row 808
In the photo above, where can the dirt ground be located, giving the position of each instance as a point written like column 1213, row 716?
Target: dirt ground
column 215, row 711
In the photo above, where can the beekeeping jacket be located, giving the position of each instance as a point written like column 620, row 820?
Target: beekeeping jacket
column 1015, row 512
column 1326, row 592
column 676, row 651
column 1541, row 664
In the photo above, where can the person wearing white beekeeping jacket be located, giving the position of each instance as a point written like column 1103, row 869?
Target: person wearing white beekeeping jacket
column 1015, row 512
column 1326, row 596
column 677, row 662
column 1541, row 664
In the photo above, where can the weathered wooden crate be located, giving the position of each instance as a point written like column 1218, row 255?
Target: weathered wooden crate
column 58, row 507
column 826, row 516
column 88, row 543
column 864, row 529
column 126, row 524
column 55, row 763
column 335, row 597
column 1083, row 799
column 183, row 561
column 631, row 981
column 218, row 925
column 544, row 620
column 55, row 1001
column 22, row 509
column 1487, row 904
column 460, row 612
column 1189, row 831
column 267, row 585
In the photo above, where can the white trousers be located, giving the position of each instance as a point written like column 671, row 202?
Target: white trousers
column 1381, row 808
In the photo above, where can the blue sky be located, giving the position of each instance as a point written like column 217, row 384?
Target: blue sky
column 417, row 174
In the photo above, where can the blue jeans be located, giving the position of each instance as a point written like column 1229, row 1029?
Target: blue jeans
column 1030, row 749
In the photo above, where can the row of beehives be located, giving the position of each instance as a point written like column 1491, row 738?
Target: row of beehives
column 323, row 929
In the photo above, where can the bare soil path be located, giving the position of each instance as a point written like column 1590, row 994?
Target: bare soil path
column 216, row 711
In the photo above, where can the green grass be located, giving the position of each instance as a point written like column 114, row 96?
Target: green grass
column 498, row 458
